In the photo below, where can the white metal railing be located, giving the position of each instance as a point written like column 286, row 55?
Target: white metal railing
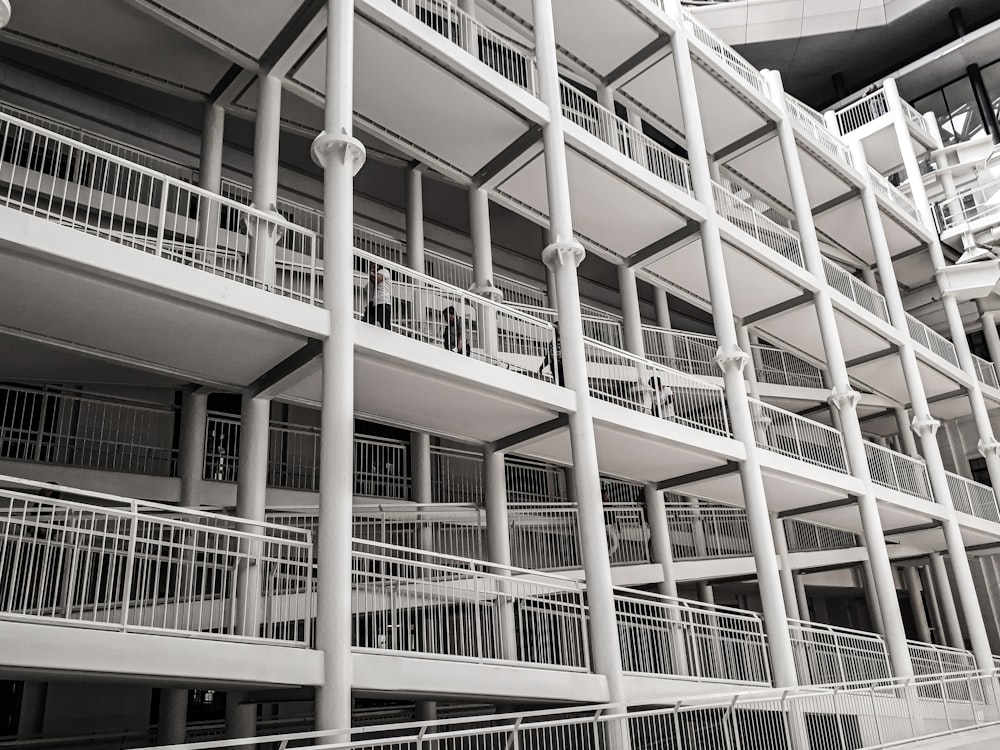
column 631, row 142
column 450, row 529
column 664, row 635
column 644, row 386
column 894, row 195
column 693, row 353
column 803, row 536
column 511, row 59
column 777, row 366
column 828, row 655
column 456, row 475
column 105, row 143
column 415, row 601
column 698, row 532
column 915, row 118
column 970, row 497
column 931, row 659
column 604, row 328
column 727, row 55
column 460, row 273
column 975, row 204
column 855, row 290
column 840, row 718
column 491, row 332
column 896, row 471
column 80, row 558
column 930, row 339
column 300, row 214
column 986, row 373
column 812, row 122
column 865, row 110
column 742, row 215
column 796, row 436
column 62, row 180
column 88, row 430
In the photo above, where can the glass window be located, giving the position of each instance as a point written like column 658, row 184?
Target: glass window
column 965, row 122
column 934, row 102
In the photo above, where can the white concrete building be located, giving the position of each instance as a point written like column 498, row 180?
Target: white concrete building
column 544, row 363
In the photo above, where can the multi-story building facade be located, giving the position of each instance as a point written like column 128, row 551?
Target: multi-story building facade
column 392, row 360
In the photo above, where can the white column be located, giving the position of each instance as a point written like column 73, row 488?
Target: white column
column 267, row 133
column 482, row 269
column 631, row 314
column 562, row 255
column 662, row 303
column 905, row 433
column 915, row 592
column 498, row 539
column 706, row 595
column 956, row 446
column 341, row 156
column 415, row 218
column 659, row 538
column 946, row 601
column 732, row 360
column 991, row 335
column 868, row 276
column 31, row 721
column 212, row 140
column 420, row 468
column 933, row 607
column 871, row 597
column 171, row 729
column 191, row 454
column 801, row 597
column 788, row 590
column 743, row 337
column 468, row 6
column 843, row 396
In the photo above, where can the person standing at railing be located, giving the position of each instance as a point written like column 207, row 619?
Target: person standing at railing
column 553, row 360
column 663, row 399
column 454, row 333
column 379, row 297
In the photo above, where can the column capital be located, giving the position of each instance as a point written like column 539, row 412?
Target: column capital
column 924, row 425
column 844, row 398
column 731, row 359
column 988, row 447
column 488, row 290
column 327, row 146
column 560, row 252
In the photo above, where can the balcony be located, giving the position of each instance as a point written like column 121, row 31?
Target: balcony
column 855, row 290
column 898, row 472
column 970, row 497
column 931, row 340
column 756, row 223
column 986, row 372
column 797, row 437
column 692, row 353
column 778, row 367
column 894, row 195
column 727, row 56
column 866, row 110
column 597, row 324
column 828, row 655
column 974, row 210
column 812, row 123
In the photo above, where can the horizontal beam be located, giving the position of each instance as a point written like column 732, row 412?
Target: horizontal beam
column 531, row 433
column 496, row 169
column 829, row 505
column 614, row 78
column 769, row 312
column 747, row 142
column 654, row 249
column 914, row 529
column 873, row 357
column 271, row 381
column 699, row 476
column 838, row 201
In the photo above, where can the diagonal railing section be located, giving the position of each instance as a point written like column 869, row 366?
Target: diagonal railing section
column 914, row 118
column 743, row 216
column 855, row 290
column 865, row 110
column 978, row 204
column 93, row 560
column 893, row 195
column 482, row 329
column 803, row 536
column 930, row 339
column 631, row 142
column 828, row 655
column 898, row 472
column 87, row 430
column 56, row 178
column 931, row 659
column 986, row 373
column 812, row 123
column 970, row 497
column 510, row 59
column 700, row 530
column 725, row 54
column 798, row 437
column 663, row 635
column 644, row 386
column 693, row 353
column 604, row 328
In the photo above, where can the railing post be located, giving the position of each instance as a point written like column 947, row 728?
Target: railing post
column 129, row 564
column 161, row 221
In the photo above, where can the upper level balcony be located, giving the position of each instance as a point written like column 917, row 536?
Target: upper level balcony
column 975, row 211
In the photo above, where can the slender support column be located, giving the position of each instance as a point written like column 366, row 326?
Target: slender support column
column 946, row 601
column 631, row 315
column 261, row 264
column 606, row 97
column 905, row 433
column 924, row 425
column 743, row 338
column 212, row 139
column 868, row 276
column 482, row 268
column 732, row 360
column 171, row 729
column 241, row 716
column 659, row 538
column 991, row 334
column 915, row 592
column 420, row 468
column 801, row 597
column 871, row 597
column 341, row 156
column 933, row 607
column 31, row 721
column 498, row 539
column 662, row 303
column 562, row 255
column 415, row 217
column 191, row 456
column 706, row 595
column 468, row 6
column 843, row 396
column 788, row 590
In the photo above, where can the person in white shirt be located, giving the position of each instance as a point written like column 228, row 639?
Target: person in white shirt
column 379, row 297
column 663, row 399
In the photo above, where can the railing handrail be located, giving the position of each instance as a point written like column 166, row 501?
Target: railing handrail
column 767, row 224
column 957, row 205
column 824, row 627
column 264, row 216
column 104, row 398
column 706, row 338
column 847, row 115
column 706, row 385
column 836, row 460
column 944, row 347
column 808, row 117
column 856, row 286
column 690, row 604
column 893, row 194
column 134, row 506
column 734, row 61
